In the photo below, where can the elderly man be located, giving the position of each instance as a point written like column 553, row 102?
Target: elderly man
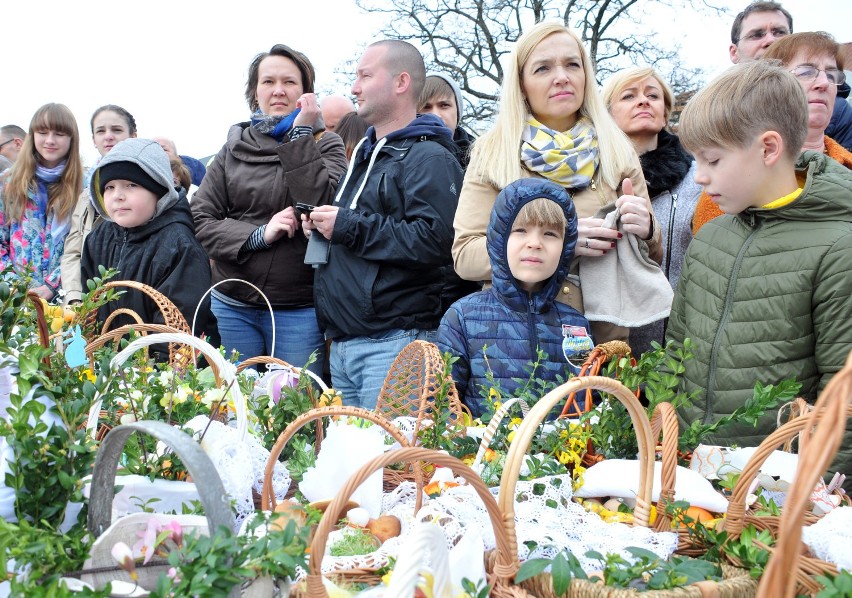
column 11, row 141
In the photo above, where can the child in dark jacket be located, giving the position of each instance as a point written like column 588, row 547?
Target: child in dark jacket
column 148, row 235
column 530, row 240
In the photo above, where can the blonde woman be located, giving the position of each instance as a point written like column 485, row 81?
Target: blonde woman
column 641, row 102
column 552, row 123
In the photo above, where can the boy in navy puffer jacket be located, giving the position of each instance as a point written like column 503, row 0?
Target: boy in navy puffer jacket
column 530, row 240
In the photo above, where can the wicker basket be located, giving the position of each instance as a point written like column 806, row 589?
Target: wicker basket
column 412, row 383
column 223, row 371
column 541, row 585
column 828, row 421
column 314, row 587
column 592, row 367
column 101, row 568
column 267, row 496
column 171, row 314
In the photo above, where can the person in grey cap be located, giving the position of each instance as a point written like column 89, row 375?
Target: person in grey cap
column 148, row 235
column 441, row 96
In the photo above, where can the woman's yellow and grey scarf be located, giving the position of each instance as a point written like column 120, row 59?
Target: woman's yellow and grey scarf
column 569, row 159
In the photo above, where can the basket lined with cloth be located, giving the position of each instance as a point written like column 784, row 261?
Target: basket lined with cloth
column 579, row 535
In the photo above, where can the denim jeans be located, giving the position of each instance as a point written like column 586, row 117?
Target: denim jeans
column 360, row 365
column 249, row 331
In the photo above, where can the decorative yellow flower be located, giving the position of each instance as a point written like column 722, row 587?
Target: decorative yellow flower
column 87, row 374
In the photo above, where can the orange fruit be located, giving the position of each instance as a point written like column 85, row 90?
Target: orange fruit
column 694, row 514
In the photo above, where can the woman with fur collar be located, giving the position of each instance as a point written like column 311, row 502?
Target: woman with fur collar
column 640, row 101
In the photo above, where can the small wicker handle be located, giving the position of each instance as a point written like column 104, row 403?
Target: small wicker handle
column 495, row 422
column 225, row 371
column 664, row 422
column 267, row 496
column 177, row 358
column 505, row 569
column 526, row 431
column 264, row 359
column 171, row 314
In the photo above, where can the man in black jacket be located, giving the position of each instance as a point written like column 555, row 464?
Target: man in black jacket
column 390, row 227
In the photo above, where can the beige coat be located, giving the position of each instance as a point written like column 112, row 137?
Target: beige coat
column 474, row 211
column 82, row 222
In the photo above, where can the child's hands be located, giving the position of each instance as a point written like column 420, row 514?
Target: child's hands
column 284, row 222
column 635, row 215
column 310, row 110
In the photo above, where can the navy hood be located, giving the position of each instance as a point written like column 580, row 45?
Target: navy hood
column 425, row 125
column 506, row 208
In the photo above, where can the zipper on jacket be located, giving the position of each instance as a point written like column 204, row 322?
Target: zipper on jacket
column 533, row 331
column 726, row 312
column 671, row 234
column 123, row 247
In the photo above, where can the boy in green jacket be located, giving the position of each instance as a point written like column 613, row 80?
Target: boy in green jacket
column 765, row 292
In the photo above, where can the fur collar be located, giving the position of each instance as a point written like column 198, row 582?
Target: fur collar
column 665, row 167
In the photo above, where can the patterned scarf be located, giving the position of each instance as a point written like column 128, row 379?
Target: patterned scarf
column 569, row 159
column 45, row 176
column 274, row 125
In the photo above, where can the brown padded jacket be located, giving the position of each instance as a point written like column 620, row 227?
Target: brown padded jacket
column 252, row 178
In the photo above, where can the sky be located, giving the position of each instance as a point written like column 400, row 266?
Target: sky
column 180, row 67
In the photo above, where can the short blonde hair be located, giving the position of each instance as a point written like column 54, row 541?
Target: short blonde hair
column 495, row 157
column 744, row 102
column 542, row 212
column 627, row 77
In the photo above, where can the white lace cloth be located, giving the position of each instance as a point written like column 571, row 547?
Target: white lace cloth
column 830, row 538
column 545, row 514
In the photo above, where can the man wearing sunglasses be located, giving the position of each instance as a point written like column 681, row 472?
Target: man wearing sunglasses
column 754, row 30
column 11, row 140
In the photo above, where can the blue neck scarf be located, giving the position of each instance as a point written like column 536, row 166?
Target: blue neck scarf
column 276, row 125
column 44, row 177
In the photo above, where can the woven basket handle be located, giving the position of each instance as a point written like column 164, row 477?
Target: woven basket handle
column 225, row 371
column 41, row 323
column 664, row 422
column 267, row 496
column 505, row 568
column 526, row 431
column 829, row 421
column 735, row 518
column 493, row 425
column 210, row 490
column 592, row 367
column 177, row 358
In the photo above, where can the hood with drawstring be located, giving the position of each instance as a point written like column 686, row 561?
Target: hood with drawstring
column 150, row 157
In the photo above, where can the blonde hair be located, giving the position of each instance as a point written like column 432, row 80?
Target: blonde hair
column 633, row 76
column 62, row 195
column 542, row 212
column 495, row 157
column 744, row 102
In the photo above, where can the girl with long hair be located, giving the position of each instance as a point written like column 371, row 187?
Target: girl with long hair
column 37, row 197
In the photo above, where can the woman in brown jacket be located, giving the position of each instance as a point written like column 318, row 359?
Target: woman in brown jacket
column 552, row 123
column 244, row 211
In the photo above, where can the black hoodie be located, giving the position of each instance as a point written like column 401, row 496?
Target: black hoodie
column 392, row 234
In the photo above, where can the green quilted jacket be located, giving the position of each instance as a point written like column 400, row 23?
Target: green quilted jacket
column 767, row 295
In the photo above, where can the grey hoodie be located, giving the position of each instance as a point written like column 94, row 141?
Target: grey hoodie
column 149, row 156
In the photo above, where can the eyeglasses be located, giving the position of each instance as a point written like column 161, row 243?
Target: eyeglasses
column 810, row 73
column 756, row 36
column 7, row 142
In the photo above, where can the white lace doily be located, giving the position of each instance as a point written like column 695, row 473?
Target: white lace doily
column 830, row 537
